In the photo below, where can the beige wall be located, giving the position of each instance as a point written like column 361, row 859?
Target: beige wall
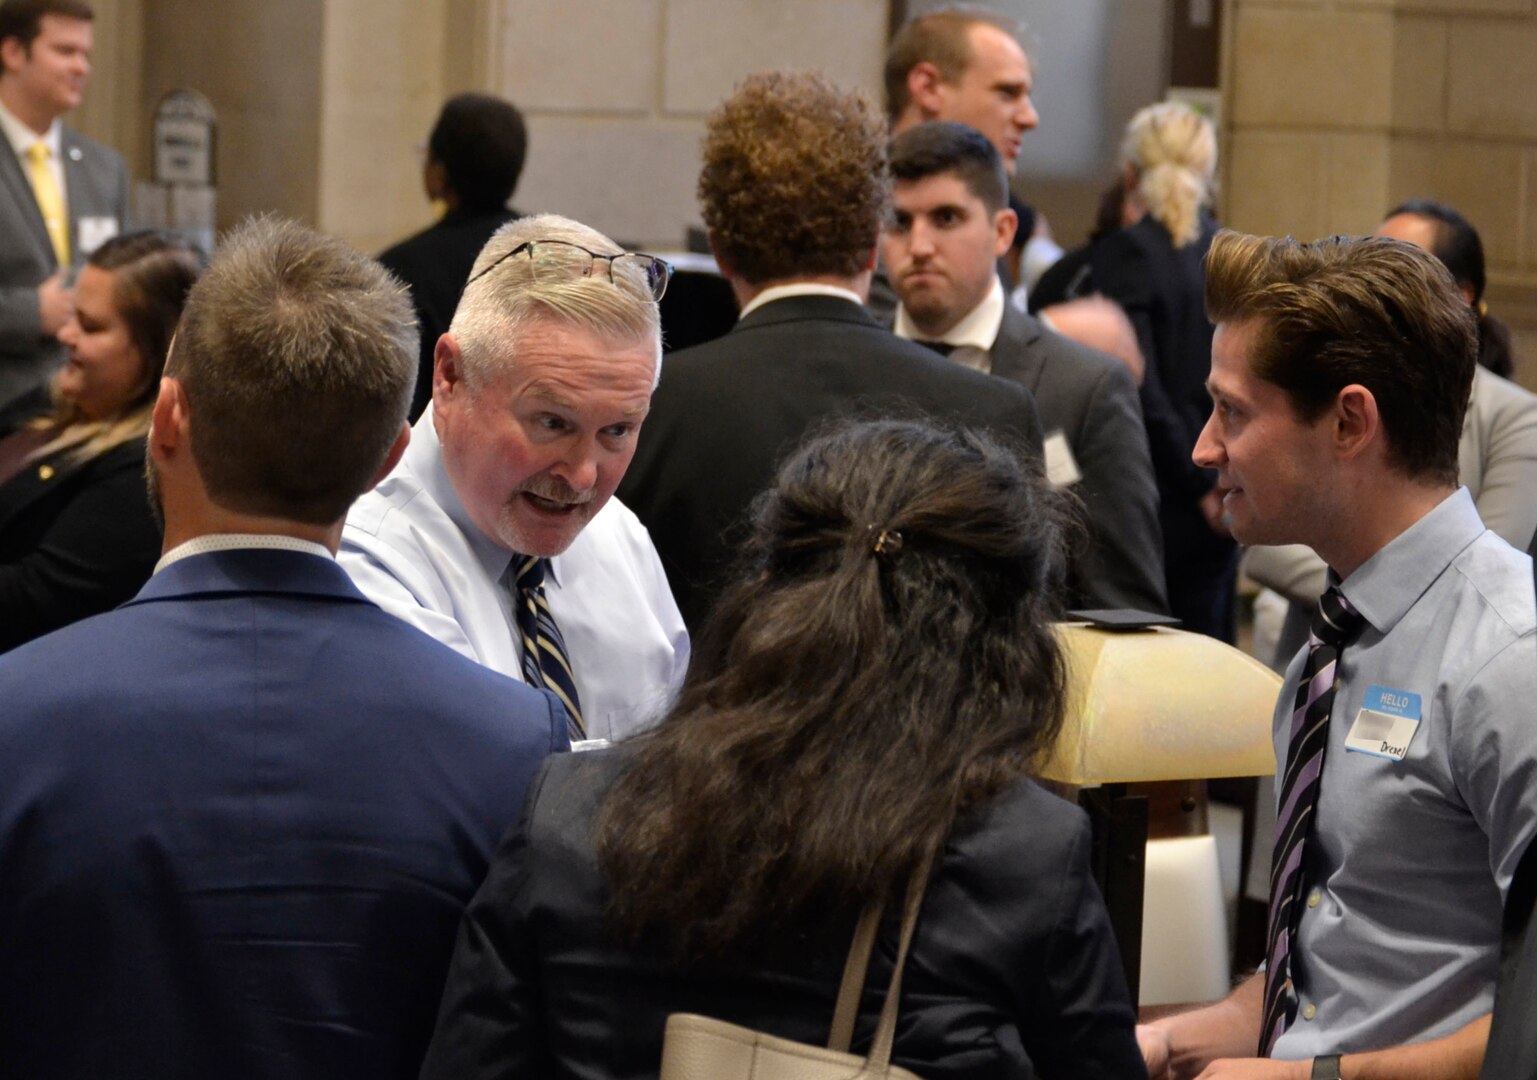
column 1338, row 109
column 616, row 92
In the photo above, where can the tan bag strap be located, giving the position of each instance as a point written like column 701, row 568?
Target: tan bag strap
column 855, row 969
column 853, row 984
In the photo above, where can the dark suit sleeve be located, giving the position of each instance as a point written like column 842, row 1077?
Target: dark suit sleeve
column 1087, row 1029
column 95, row 554
column 1124, row 567
column 489, row 1023
column 1124, row 273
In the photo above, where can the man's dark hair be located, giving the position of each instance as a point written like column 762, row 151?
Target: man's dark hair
column 23, row 19
column 898, row 577
column 1372, row 311
column 1457, row 244
column 942, row 146
column 481, row 142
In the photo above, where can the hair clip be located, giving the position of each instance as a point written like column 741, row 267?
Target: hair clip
column 887, row 542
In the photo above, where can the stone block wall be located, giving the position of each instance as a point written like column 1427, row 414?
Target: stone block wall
column 1336, row 110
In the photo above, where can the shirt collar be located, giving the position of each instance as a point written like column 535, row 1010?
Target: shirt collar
column 978, row 328
column 202, row 545
column 21, row 137
column 797, row 288
column 424, row 459
column 1386, row 586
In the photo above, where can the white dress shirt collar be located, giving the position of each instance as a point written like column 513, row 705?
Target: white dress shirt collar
column 424, row 457
column 978, row 328
column 202, row 545
column 21, row 137
column 797, row 288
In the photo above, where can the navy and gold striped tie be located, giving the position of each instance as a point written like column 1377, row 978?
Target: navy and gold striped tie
column 545, row 663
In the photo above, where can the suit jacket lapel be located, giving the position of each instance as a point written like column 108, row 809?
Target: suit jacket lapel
column 1014, row 355
column 23, row 200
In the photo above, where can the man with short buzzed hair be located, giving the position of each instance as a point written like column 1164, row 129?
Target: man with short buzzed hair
column 241, row 815
column 61, row 195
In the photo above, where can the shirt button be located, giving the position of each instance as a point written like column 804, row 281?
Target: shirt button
column 1314, row 897
column 1309, row 1011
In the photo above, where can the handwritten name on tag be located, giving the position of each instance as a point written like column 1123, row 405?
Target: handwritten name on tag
column 1386, row 724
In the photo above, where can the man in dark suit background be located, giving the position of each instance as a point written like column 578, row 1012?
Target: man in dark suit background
column 61, row 195
column 474, row 158
column 951, row 221
column 241, row 815
column 793, row 192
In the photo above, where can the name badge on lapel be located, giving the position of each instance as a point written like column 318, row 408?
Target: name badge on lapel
column 1061, row 466
column 1386, row 724
column 92, row 232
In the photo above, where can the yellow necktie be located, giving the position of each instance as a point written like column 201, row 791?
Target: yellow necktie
column 49, row 200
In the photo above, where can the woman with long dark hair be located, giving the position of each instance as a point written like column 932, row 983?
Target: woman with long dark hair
column 876, row 687
column 77, row 536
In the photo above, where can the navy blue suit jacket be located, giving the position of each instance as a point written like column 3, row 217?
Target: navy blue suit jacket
column 240, row 818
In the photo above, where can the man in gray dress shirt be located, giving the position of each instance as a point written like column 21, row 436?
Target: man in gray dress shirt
column 1340, row 373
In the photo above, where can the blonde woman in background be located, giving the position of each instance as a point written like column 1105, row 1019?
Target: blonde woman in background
column 1153, row 269
column 77, row 535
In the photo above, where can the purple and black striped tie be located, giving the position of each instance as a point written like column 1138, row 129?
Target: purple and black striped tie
column 1335, row 624
column 545, row 663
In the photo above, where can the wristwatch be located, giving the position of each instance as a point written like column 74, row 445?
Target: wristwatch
column 1326, row 1067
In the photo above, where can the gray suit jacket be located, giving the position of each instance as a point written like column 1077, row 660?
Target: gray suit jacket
column 95, row 185
column 1090, row 397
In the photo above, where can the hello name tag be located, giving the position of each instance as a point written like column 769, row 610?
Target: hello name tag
column 1386, row 723
column 1061, row 466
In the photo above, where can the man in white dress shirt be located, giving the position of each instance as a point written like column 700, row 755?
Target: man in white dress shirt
column 496, row 534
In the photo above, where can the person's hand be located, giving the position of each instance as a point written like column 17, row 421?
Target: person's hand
column 1154, row 1044
column 55, row 304
column 1211, row 510
column 1256, row 1069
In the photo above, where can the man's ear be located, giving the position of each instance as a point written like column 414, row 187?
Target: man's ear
column 169, row 431
column 1005, row 225
column 926, row 86
column 447, row 372
column 13, row 54
column 1357, row 424
column 393, row 457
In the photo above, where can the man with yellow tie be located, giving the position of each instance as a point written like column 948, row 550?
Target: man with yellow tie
column 61, row 194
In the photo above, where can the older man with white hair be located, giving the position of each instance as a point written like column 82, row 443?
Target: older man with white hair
column 496, row 534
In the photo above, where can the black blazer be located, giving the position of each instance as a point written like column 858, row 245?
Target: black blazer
column 75, row 540
column 1091, row 398
column 729, row 410
column 1512, row 1052
column 1163, row 289
column 1012, row 973
column 435, row 264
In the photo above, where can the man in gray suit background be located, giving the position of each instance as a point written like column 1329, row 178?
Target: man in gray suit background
column 61, row 195
column 951, row 222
